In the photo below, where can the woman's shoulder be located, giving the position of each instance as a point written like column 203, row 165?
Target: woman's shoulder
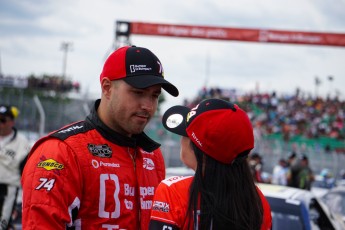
column 177, row 181
column 174, row 189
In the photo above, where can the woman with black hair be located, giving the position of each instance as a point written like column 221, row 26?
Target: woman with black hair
column 217, row 137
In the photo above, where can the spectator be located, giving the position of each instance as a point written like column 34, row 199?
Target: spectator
column 279, row 173
column 14, row 148
column 300, row 175
column 255, row 164
column 306, row 175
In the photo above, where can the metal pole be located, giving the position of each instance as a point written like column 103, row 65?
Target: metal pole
column 42, row 115
column 65, row 47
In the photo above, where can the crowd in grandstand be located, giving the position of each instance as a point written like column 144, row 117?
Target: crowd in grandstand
column 288, row 115
column 45, row 82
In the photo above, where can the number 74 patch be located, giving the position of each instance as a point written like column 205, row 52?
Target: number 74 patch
column 46, row 183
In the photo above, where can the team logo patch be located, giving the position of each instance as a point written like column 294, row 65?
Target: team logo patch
column 50, row 164
column 100, row 150
column 148, row 164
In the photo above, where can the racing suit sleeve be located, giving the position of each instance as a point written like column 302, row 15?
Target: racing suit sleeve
column 51, row 187
column 166, row 211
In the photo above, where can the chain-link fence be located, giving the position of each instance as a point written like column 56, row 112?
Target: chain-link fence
column 60, row 111
column 270, row 151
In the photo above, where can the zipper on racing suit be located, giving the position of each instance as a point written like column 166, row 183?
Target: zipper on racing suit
column 133, row 157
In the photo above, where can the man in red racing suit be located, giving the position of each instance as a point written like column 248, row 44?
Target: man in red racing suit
column 101, row 173
column 75, row 178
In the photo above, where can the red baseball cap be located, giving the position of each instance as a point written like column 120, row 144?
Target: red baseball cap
column 219, row 128
column 138, row 67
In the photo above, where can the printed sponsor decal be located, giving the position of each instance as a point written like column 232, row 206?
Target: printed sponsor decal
column 55, row 171
column 50, row 164
column 129, row 204
column 70, row 129
column 103, row 151
column 160, row 206
column 96, row 164
column 147, row 191
column 171, row 180
column 11, row 153
column 145, row 152
column 145, row 204
column 196, row 139
column 148, row 164
column 129, row 190
column 46, row 183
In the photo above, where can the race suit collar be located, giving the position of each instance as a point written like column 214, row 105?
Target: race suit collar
column 139, row 140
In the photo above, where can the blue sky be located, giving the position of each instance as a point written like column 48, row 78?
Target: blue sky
column 31, row 33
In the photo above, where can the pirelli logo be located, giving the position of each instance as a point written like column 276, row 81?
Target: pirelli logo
column 50, row 164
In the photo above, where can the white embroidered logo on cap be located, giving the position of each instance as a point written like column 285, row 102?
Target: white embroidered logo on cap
column 135, row 68
column 174, row 120
column 196, row 139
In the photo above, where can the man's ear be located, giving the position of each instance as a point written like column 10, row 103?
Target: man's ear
column 106, row 85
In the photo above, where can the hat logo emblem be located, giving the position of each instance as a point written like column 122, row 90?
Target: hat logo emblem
column 3, row 109
column 134, row 68
column 196, row 139
column 174, row 120
column 192, row 113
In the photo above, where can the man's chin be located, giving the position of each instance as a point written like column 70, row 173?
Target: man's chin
column 138, row 130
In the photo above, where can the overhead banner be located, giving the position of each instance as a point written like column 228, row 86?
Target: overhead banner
column 238, row 34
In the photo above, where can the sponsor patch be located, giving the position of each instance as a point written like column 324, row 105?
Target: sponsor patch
column 50, row 164
column 160, row 206
column 171, row 180
column 103, row 151
column 70, row 129
column 97, row 164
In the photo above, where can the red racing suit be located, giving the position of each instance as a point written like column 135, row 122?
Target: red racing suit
column 86, row 176
column 170, row 205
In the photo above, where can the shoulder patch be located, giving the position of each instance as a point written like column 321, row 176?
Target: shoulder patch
column 72, row 129
column 174, row 179
column 50, row 164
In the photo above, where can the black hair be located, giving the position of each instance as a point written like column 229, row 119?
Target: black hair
column 228, row 195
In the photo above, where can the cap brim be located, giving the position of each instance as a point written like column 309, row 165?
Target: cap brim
column 174, row 120
column 144, row 81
